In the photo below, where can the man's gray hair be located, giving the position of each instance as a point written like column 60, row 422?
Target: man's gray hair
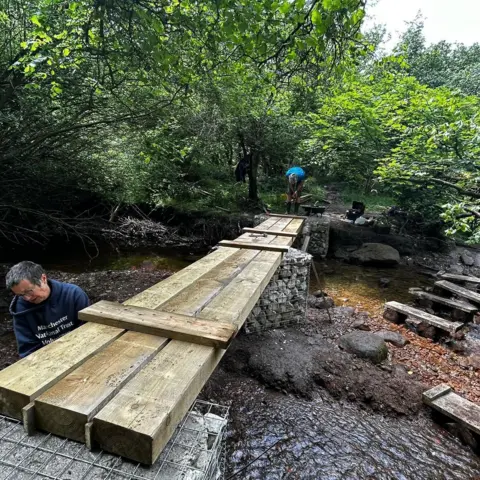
column 24, row 271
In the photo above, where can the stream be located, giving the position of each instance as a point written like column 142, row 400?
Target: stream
column 322, row 439
column 328, row 440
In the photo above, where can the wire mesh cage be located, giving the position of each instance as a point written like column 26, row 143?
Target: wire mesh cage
column 195, row 452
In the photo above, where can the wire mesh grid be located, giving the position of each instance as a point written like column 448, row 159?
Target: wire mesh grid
column 281, row 317
column 193, row 453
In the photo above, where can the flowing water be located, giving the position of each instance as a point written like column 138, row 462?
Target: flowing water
column 326, row 440
column 359, row 287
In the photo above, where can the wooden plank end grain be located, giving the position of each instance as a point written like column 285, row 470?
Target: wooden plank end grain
column 138, row 422
column 435, row 392
column 26, row 379
column 66, row 407
column 254, row 246
column 28, row 415
column 89, row 443
column 165, row 324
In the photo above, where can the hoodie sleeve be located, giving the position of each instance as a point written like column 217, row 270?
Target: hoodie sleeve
column 81, row 302
column 27, row 342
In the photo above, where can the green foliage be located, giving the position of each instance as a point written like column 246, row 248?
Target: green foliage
column 442, row 64
column 129, row 102
column 122, row 103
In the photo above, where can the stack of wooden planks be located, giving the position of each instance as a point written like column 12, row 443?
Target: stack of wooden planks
column 460, row 310
column 126, row 390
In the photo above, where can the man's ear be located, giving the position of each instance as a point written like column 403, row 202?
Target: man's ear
column 44, row 278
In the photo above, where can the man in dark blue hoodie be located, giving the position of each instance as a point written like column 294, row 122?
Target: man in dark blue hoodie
column 42, row 309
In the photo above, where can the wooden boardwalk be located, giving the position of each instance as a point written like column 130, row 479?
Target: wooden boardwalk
column 128, row 390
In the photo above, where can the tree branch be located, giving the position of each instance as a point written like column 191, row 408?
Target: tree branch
column 468, row 193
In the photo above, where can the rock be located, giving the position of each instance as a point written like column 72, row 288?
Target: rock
column 360, row 325
column 376, row 253
column 319, row 293
column 460, row 335
column 457, row 269
column 360, row 221
column 344, row 311
column 384, row 282
column 467, row 259
column 426, row 330
column 320, row 302
column 459, row 347
column 392, row 337
column 474, row 362
column 477, row 260
column 365, row 345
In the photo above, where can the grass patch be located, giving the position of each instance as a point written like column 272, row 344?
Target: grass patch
column 373, row 203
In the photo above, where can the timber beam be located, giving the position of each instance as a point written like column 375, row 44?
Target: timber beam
column 270, row 232
column 163, row 324
column 254, row 246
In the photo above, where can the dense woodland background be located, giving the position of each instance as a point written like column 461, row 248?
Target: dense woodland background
column 108, row 107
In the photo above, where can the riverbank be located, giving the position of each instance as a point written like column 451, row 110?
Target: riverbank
column 298, row 385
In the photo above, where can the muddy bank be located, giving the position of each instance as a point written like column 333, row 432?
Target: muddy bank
column 343, row 233
column 193, row 232
column 306, row 360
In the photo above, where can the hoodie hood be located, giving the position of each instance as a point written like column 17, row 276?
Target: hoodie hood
column 19, row 306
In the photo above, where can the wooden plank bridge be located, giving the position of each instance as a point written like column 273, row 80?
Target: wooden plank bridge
column 125, row 379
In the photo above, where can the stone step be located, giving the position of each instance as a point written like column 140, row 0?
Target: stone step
column 443, row 399
column 421, row 316
column 449, row 302
column 457, row 290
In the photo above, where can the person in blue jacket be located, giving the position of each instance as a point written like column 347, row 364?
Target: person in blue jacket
column 42, row 309
column 296, row 177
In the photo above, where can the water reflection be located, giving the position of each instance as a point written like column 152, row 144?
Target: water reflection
column 357, row 286
column 327, row 440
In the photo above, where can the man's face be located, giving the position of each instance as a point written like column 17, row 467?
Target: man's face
column 32, row 293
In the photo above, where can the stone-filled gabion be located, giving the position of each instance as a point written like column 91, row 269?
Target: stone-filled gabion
column 319, row 227
column 284, row 300
column 319, row 235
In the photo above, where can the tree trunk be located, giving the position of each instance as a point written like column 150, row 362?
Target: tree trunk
column 252, row 176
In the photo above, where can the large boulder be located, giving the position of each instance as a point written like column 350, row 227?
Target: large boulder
column 365, row 345
column 375, row 254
